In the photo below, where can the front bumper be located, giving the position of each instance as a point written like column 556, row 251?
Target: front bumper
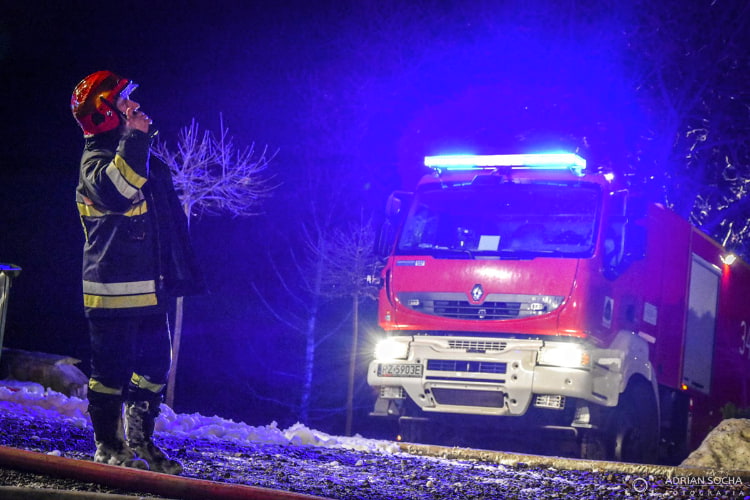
column 462, row 375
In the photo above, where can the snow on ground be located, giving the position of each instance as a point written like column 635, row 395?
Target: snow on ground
column 33, row 399
column 307, row 461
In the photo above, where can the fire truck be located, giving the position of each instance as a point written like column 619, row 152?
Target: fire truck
column 524, row 295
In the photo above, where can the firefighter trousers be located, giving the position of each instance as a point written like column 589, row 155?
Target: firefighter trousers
column 128, row 349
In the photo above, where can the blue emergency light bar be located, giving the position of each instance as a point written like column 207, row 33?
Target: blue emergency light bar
column 547, row 161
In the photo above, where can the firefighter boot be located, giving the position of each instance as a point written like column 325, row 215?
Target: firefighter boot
column 106, row 419
column 140, row 418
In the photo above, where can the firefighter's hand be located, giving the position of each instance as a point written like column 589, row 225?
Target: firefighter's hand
column 136, row 119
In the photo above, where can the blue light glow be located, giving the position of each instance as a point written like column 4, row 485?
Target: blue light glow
column 548, row 161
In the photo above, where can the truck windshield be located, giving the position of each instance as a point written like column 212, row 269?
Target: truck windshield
column 506, row 220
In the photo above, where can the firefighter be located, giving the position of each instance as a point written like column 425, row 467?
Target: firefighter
column 136, row 259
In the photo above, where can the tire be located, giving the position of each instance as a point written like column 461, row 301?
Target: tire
column 634, row 427
column 627, row 433
column 595, row 446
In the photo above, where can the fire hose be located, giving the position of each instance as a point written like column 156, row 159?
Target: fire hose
column 129, row 479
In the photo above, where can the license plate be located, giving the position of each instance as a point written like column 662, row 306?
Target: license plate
column 399, row 370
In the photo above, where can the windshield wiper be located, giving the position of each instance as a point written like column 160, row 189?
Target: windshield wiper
column 522, row 254
column 452, row 253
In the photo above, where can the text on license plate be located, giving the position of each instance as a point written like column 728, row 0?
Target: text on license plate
column 400, row 370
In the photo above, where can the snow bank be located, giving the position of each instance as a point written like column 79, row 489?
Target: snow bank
column 726, row 447
column 34, row 400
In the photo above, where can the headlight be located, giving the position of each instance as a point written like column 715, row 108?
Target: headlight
column 392, row 348
column 565, row 355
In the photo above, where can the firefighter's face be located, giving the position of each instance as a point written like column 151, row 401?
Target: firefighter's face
column 134, row 118
column 126, row 106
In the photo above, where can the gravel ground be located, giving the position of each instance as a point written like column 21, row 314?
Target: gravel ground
column 347, row 474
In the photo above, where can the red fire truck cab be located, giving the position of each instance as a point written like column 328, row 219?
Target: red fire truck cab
column 530, row 292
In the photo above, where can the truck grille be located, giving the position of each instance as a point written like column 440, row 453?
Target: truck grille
column 457, row 397
column 447, row 365
column 462, row 309
column 477, row 345
column 496, row 306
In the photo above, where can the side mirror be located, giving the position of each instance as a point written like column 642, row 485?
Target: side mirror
column 395, row 211
column 385, row 239
column 398, row 201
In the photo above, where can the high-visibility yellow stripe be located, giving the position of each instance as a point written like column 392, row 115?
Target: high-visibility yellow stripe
column 124, row 288
column 109, row 302
column 88, row 210
column 121, row 184
column 85, row 230
column 96, row 386
column 130, row 175
column 91, row 211
column 142, row 382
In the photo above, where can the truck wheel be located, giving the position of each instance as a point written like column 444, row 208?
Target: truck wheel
column 594, row 446
column 634, row 428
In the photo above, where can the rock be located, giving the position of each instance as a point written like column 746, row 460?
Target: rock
column 726, row 447
column 53, row 371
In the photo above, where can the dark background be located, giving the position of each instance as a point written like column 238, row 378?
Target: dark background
column 352, row 94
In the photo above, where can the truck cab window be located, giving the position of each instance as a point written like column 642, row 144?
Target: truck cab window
column 503, row 220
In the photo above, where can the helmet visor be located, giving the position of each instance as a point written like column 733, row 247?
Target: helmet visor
column 129, row 88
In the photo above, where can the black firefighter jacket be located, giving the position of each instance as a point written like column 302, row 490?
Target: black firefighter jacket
column 137, row 253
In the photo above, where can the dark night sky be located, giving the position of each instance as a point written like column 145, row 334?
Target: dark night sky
column 248, row 60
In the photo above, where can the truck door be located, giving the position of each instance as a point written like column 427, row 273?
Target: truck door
column 700, row 329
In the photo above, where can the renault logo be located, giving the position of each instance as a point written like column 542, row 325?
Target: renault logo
column 477, row 292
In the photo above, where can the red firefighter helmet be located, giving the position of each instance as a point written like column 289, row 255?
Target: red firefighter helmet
column 94, row 99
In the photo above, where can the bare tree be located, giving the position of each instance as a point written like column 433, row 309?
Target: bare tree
column 330, row 264
column 212, row 176
column 350, row 265
column 302, row 283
